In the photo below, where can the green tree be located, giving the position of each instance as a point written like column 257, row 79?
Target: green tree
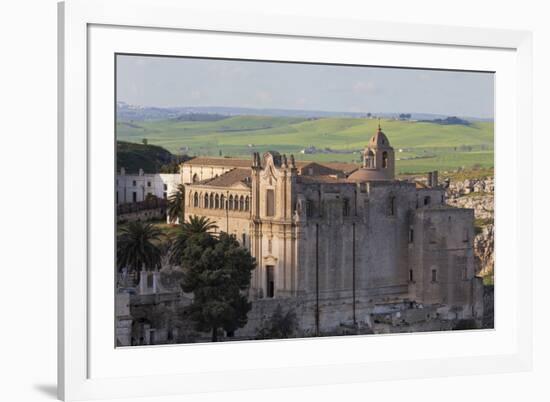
column 138, row 246
column 279, row 326
column 218, row 270
column 196, row 225
column 175, row 204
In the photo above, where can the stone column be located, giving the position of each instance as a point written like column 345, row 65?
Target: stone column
column 156, row 282
column 143, row 281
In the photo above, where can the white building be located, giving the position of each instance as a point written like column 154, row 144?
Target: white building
column 132, row 188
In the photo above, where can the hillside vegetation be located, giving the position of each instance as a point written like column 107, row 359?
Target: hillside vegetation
column 150, row 158
column 420, row 146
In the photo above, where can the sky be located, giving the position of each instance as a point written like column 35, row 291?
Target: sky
column 185, row 82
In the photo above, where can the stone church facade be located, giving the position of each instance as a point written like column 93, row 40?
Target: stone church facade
column 342, row 245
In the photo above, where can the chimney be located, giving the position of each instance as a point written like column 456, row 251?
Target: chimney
column 430, row 179
column 435, row 181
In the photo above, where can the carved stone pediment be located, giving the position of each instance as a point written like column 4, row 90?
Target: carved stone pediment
column 270, row 260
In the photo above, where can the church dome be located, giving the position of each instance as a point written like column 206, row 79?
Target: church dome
column 363, row 175
column 379, row 140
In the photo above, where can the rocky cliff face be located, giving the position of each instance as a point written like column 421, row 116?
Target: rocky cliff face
column 479, row 196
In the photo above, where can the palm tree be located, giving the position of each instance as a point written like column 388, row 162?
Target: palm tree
column 175, row 204
column 196, row 225
column 138, row 246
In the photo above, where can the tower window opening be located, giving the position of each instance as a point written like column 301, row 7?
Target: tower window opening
column 384, row 159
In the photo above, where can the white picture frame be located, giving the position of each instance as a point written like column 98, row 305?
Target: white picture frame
column 90, row 31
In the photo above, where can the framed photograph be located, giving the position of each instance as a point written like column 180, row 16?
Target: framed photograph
column 270, row 201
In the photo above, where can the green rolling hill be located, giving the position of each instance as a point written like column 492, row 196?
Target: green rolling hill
column 420, row 146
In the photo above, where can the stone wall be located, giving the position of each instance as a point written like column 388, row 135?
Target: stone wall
column 483, row 205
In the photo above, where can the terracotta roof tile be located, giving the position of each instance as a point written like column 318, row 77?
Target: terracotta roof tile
column 213, row 161
column 228, row 179
column 320, row 179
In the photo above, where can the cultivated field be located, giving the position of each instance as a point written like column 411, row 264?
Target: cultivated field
column 419, row 146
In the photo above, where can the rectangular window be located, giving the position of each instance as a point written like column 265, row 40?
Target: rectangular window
column 270, row 280
column 244, row 239
column 134, row 196
column 411, row 235
column 165, row 187
column 309, row 208
column 270, row 203
column 411, row 277
column 148, row 184
column 134, row 183
column 392, row 206
column 434, row 275
column 346, row 208
column 270, row 246
column 165, row 195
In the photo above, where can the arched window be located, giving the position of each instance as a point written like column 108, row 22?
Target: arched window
column 211, row 200
column 384, row 159
column 230, row 206
column 222, row 202
column 206, row 201
column 246, row 203
column 195, row 178
column 241, row 203
column 369, row 160
column 217, row 202
column 196, row 200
